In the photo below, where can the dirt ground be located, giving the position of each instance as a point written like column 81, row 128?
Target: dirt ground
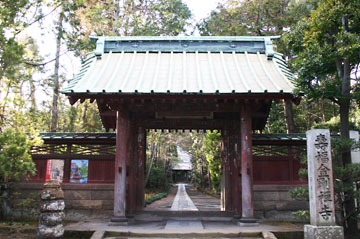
column 164, row 203
column 17, row 232
column 203, row 201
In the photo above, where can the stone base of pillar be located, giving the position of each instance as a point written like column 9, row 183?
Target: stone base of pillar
column 322, row 232
column 248, row 222
column 118, row 221
column 237, row 216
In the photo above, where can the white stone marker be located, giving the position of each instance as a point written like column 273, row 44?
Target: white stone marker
column 321, row 188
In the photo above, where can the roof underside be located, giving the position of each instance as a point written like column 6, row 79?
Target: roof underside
column 64, row 137
column 208, row 65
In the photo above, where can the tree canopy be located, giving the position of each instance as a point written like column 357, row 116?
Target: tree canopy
column 126, row 18
column 326, row 50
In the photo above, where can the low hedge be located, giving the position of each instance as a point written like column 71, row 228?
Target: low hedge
column 158, row 196
column 155, row 198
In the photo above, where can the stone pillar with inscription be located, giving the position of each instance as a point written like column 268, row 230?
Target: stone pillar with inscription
column 321, row 187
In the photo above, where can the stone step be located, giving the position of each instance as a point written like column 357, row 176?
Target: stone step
column 156, row 216
column 183, row 237
column 244, row 235
column 187, row 213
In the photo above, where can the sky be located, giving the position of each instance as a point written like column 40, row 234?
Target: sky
column 201, row 8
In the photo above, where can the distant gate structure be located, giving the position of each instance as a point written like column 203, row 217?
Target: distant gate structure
column 181, row 167
column 223, row 83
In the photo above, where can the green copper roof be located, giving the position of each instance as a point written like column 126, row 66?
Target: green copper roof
column 179, row 65
column 250, row 44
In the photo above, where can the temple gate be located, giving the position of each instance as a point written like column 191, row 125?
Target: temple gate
column 177, row 83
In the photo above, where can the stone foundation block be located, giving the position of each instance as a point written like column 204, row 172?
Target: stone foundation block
column 279, row 215
column 291, row 205
column 77, row 195
column 51, row 219
column 323, row 232
column 53, row 206
column 102, row 195
column 51, row 194
column 45, row 232
column 108, row 204
column 87, row 204
column 266, row 196
column 265, row 205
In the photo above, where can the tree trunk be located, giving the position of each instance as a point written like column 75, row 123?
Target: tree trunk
column 289, row 116
column 32, row 96
column 202, row 180
column 323, row 111
column 84, row 116
column 54, row 109
column 153, row 156
column 350, row 209
column 209, row 177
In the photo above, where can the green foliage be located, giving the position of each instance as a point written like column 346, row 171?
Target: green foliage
column 334, row 123
column 299, row 193
column 155, row 198
column 158, row 178
column 276, row 120
column 30, row 205
column 320, row 45
column 160, row 174
column 199, row 163
column 255, row 18
column 15, row 160
column 327, row 47
column 302, row 215
column 126, row 18
column 15, row 74
column 11, row 20
column 158, row 196
column 212, row 152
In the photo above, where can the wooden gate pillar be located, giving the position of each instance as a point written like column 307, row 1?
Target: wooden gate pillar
column 131, row 171
column 226, row 203
column 140, row 179
column 246, row 165
column 122, row 154
column 235, row 162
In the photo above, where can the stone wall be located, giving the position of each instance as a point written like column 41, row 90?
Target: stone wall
column 81, row 200
column 271, row 202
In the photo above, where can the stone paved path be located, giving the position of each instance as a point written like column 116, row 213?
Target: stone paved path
column 182, row 201
column 203, row 202
column 186, row 199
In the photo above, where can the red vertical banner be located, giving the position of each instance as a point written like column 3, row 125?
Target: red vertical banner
column 54, row 170
column 48, row 170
